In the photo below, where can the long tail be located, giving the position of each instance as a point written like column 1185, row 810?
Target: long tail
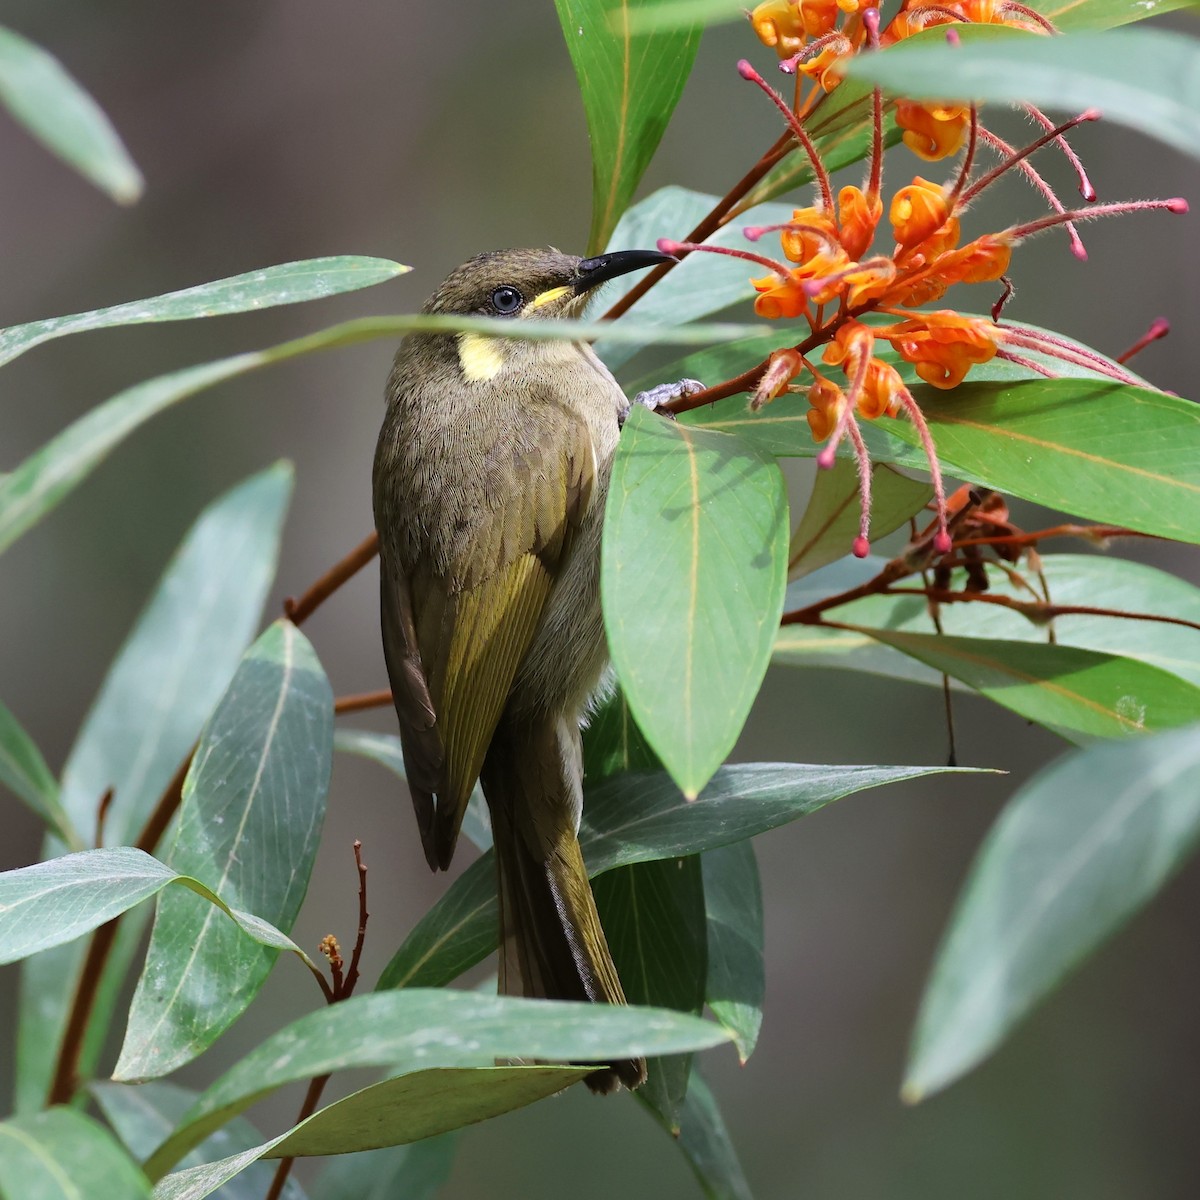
column 551, row 941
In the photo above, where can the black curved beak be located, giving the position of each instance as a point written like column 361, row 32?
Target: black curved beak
column 594, row 271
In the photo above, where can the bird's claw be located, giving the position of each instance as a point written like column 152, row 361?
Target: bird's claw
column 665, row 393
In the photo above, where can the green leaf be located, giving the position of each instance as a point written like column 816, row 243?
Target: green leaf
column 416, row 1171
column 419, row 1030
column 1109, row 452
column 705, row 1143
column 63, row 1155
column 1079, row 849
column 143, row 1117
column 702, row 284
column 1071, row 579
column 394, row 1109
column 630, row 85
column 289, row 283
column 249, row 825
column 1143, row 78
column 416, row 1106
column 693, row 571
column 56, row 901
column 653, row 918
column 23, row 770
column 736, row 978
column 1076, row 693
column 683, row 14
column 637, row 818
column 830, row 522
column 48, row 475
column 613, row 743
column 1104, row 14
column 179, row 657
column 39, row 93
column 164, row 682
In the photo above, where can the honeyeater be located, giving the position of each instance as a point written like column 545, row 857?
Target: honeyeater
column 489, row 487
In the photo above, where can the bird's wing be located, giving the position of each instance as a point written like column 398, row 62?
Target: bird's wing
column 471, row 628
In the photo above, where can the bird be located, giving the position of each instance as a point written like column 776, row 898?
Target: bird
column 489, row 485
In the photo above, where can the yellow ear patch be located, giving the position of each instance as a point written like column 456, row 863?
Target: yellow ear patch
column 480, row 357
column 548, row 297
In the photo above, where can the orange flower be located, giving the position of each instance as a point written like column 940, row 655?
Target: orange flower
column 980, row 261
column 881, row 383
column 812, row 232
column 858, row 215
column 853, row 342
column 933, row 130
column 786, row 25
column 779, row 296
column 782, row 368
column 918, row 211
column 943, row 346
column 827, row 400
column 827, row 67
column 882, row 390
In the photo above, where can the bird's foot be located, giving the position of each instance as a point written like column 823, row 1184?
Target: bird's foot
column 666, row 393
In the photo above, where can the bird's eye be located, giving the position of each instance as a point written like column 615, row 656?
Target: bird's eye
column 507, row 300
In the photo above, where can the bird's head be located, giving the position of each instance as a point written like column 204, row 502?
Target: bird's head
column 532, row 284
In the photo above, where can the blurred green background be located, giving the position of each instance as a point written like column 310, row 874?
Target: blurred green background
column 286, row 129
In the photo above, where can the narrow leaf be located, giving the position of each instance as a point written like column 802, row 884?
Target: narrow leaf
column 1087, row 580
column 63, row 898
column 63, row 1155
column 163, row 683
column 693, row 571
column 143, row 1117
column 1105, row 451
column 1079, row 849
column 48, row 475
column 289, row 283
column 419, row 1030
column 633, row 818
column 613, row 743
column 736, row 980
column 23, row 771
column 42, row 96
column 706, row 1145
column 830, row 522
column 421, row 1105
column 653, row 916
column 1076, row 693
column 251, row 817
column 630, row 85
column 1143, row 78
column 179, row 657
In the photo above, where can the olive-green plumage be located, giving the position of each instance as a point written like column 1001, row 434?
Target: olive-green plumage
column 489, row 485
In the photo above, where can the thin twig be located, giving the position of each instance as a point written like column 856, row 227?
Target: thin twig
column 66, row 1067
column 300, row 610
column 1037, row 611
column 342, row 990
column 102, row 810
column 363, row 916
column 362, row 700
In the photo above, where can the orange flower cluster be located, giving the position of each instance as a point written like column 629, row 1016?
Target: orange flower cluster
column 845, row 288
column 806, row 35
column 830, row 253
